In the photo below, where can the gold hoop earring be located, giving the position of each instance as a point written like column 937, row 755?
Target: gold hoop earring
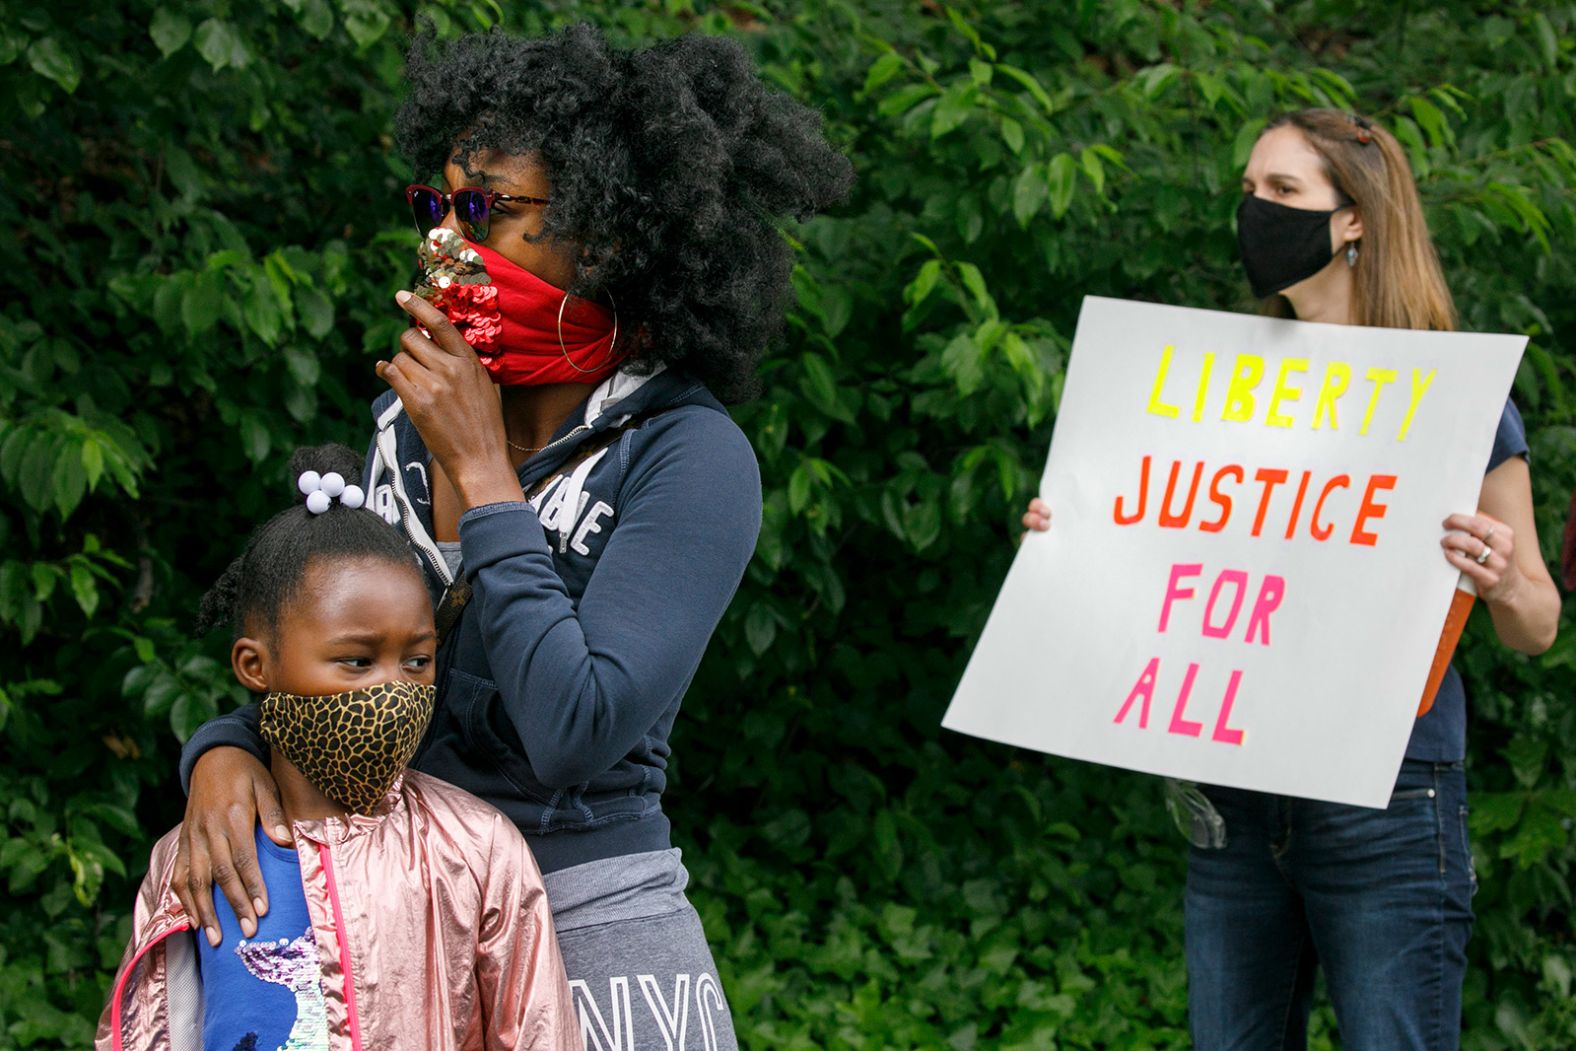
column 565, row 302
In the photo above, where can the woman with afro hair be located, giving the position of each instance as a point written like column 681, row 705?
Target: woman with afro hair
column 602, row 266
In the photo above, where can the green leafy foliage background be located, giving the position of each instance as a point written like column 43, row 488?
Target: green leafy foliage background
column 202, row 228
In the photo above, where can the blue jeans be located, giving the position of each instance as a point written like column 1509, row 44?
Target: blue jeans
column 1381, row 898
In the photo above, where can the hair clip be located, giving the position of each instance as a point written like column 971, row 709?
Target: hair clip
column 320, row 491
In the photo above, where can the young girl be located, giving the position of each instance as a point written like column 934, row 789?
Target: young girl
column 407, row 913
column 1331, row 230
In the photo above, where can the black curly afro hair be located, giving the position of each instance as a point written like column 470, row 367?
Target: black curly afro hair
column 672, row 164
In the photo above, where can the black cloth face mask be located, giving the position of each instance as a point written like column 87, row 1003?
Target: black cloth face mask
column 1281, row 246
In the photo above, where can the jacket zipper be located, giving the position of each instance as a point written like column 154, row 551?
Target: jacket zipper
column 549, row 447
column 341, row 935
column 579, row 429
column 120, row 983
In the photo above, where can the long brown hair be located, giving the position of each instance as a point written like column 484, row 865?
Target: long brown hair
column 1397, row 281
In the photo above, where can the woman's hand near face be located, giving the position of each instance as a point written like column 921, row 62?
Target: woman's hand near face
column 230, row 793
column 454, row 404
column 1512, row 578
column 1038, row 517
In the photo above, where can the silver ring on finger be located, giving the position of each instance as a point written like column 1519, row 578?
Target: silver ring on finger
column 1487, row 535
column 1483, row 556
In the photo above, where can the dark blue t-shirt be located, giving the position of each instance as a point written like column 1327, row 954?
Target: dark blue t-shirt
column 1441, row 735
column 266, row 992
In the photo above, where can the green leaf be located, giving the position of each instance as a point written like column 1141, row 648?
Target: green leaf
column 92, row 462
column 799, row 484
column 200, row 304
column 964, row 362
column 170, row 31
column 365, row 21
column 201, row 667
column 45, row 576
column 263, row 315
column 904, row 99
column 1028, row 194
column 1526, row 754
column 1012, row 134
column 1557, row 973
column 13, row 582
column 85, row 589
column 919, row 289
column 1495, row 812
column 36, row 475
column 119, row 818
column 1247, row 137
column 1561, row 799
column 188, row 712
column 220, row 45
column 888, row 850
column 69, row 480
column 1432, row 120
column 301, row 404
column 1094, row 169
column 760, row 628
column 1539, row 833
column 821, row 388
column 255, row 439
column 49, row 59
column 1211, row 87
column 974, row 281
column 14, row 441
column 882, row 70
column 1155, row 79
column 14, row 850
column 922, row 524
column 1547, row 39
column 837, row 308
column 138, row 679
column 167, row 304
column 303, row 365
column 12, row 44
column 316, row 311
column 224, row 260
column 27, row 869
column 952, row 109
column 159, row 696
column 1031, row 84
column 317, row 18
column 184, row 172
column 1063, row 178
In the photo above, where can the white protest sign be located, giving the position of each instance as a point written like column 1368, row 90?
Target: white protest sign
column 1242, row 584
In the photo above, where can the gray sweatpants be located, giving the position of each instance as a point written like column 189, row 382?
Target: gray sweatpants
column 640, row 973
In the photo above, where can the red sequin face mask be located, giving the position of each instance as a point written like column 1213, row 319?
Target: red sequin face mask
column 524, row 330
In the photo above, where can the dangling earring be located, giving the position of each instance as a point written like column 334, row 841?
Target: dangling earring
column 1351, row 255
column 611, row 345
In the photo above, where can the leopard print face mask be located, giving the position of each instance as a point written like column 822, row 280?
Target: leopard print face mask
column 351, row 746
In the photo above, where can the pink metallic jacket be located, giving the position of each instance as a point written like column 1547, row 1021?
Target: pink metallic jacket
column 432, row 930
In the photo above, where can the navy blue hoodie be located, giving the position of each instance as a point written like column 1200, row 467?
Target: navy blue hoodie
column 591, row 606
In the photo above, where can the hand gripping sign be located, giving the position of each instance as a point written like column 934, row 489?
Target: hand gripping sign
column 1243, row 583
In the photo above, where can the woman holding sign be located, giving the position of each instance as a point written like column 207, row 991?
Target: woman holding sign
column 1331, row 230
